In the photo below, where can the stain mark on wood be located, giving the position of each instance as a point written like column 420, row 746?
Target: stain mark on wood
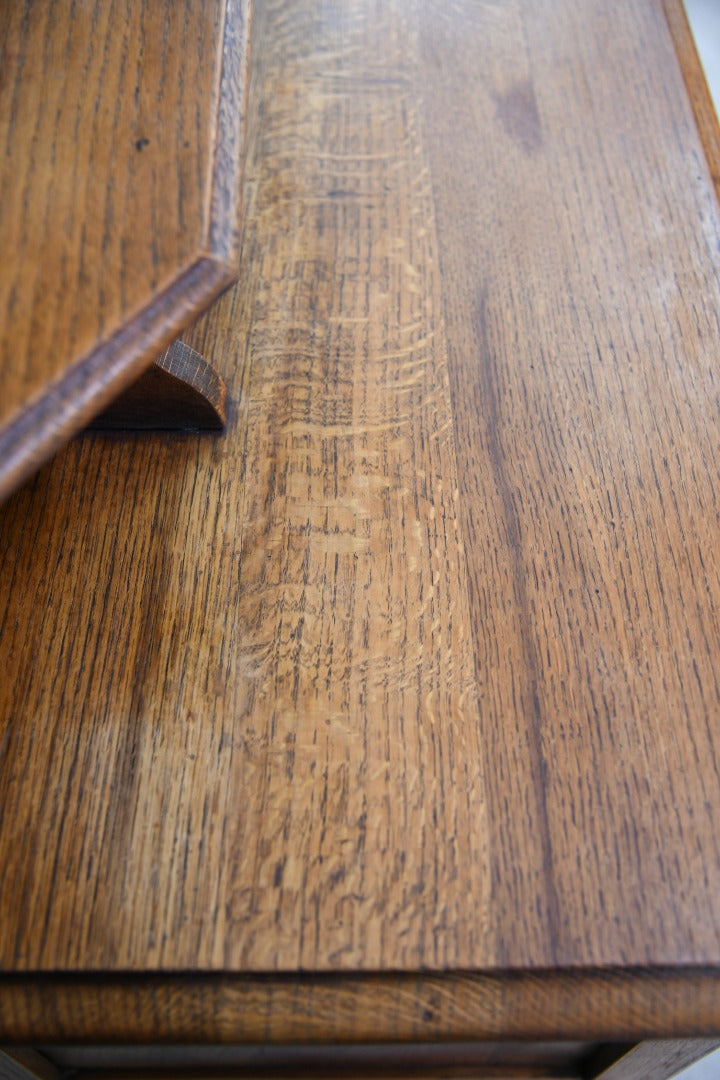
column 518, row 113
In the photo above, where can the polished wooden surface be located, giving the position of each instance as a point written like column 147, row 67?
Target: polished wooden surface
column 121, row 136
column 416, row 667
column 375, row 1007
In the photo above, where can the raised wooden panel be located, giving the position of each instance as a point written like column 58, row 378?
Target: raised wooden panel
column 121, row 142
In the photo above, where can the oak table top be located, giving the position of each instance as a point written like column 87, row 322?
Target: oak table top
column 392, row 712
column 121, row 142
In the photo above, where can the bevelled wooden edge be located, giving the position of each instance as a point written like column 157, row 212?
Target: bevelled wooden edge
column 225, row 206
column 63, row 408
column 698, row 91
column 55, row 416
column 204, row 1008
column 180, row 391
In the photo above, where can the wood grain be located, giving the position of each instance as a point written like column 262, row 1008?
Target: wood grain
column 337, row 1072
column 179, row 391
column 413, row 673
column 122, row 138
column 579, row 258
column 377, row 1007
column 326, row 593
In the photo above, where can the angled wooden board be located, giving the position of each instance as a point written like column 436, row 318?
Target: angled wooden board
column 121, row 143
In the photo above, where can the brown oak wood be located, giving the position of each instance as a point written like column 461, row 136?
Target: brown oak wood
column 179, row 391
column 289, row 543
column 412, row 678
column 585, row 411
column 308, row 1008
column 121, row 135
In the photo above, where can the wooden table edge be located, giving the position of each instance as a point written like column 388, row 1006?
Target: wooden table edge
column 698, row 90
column 221, row 1008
